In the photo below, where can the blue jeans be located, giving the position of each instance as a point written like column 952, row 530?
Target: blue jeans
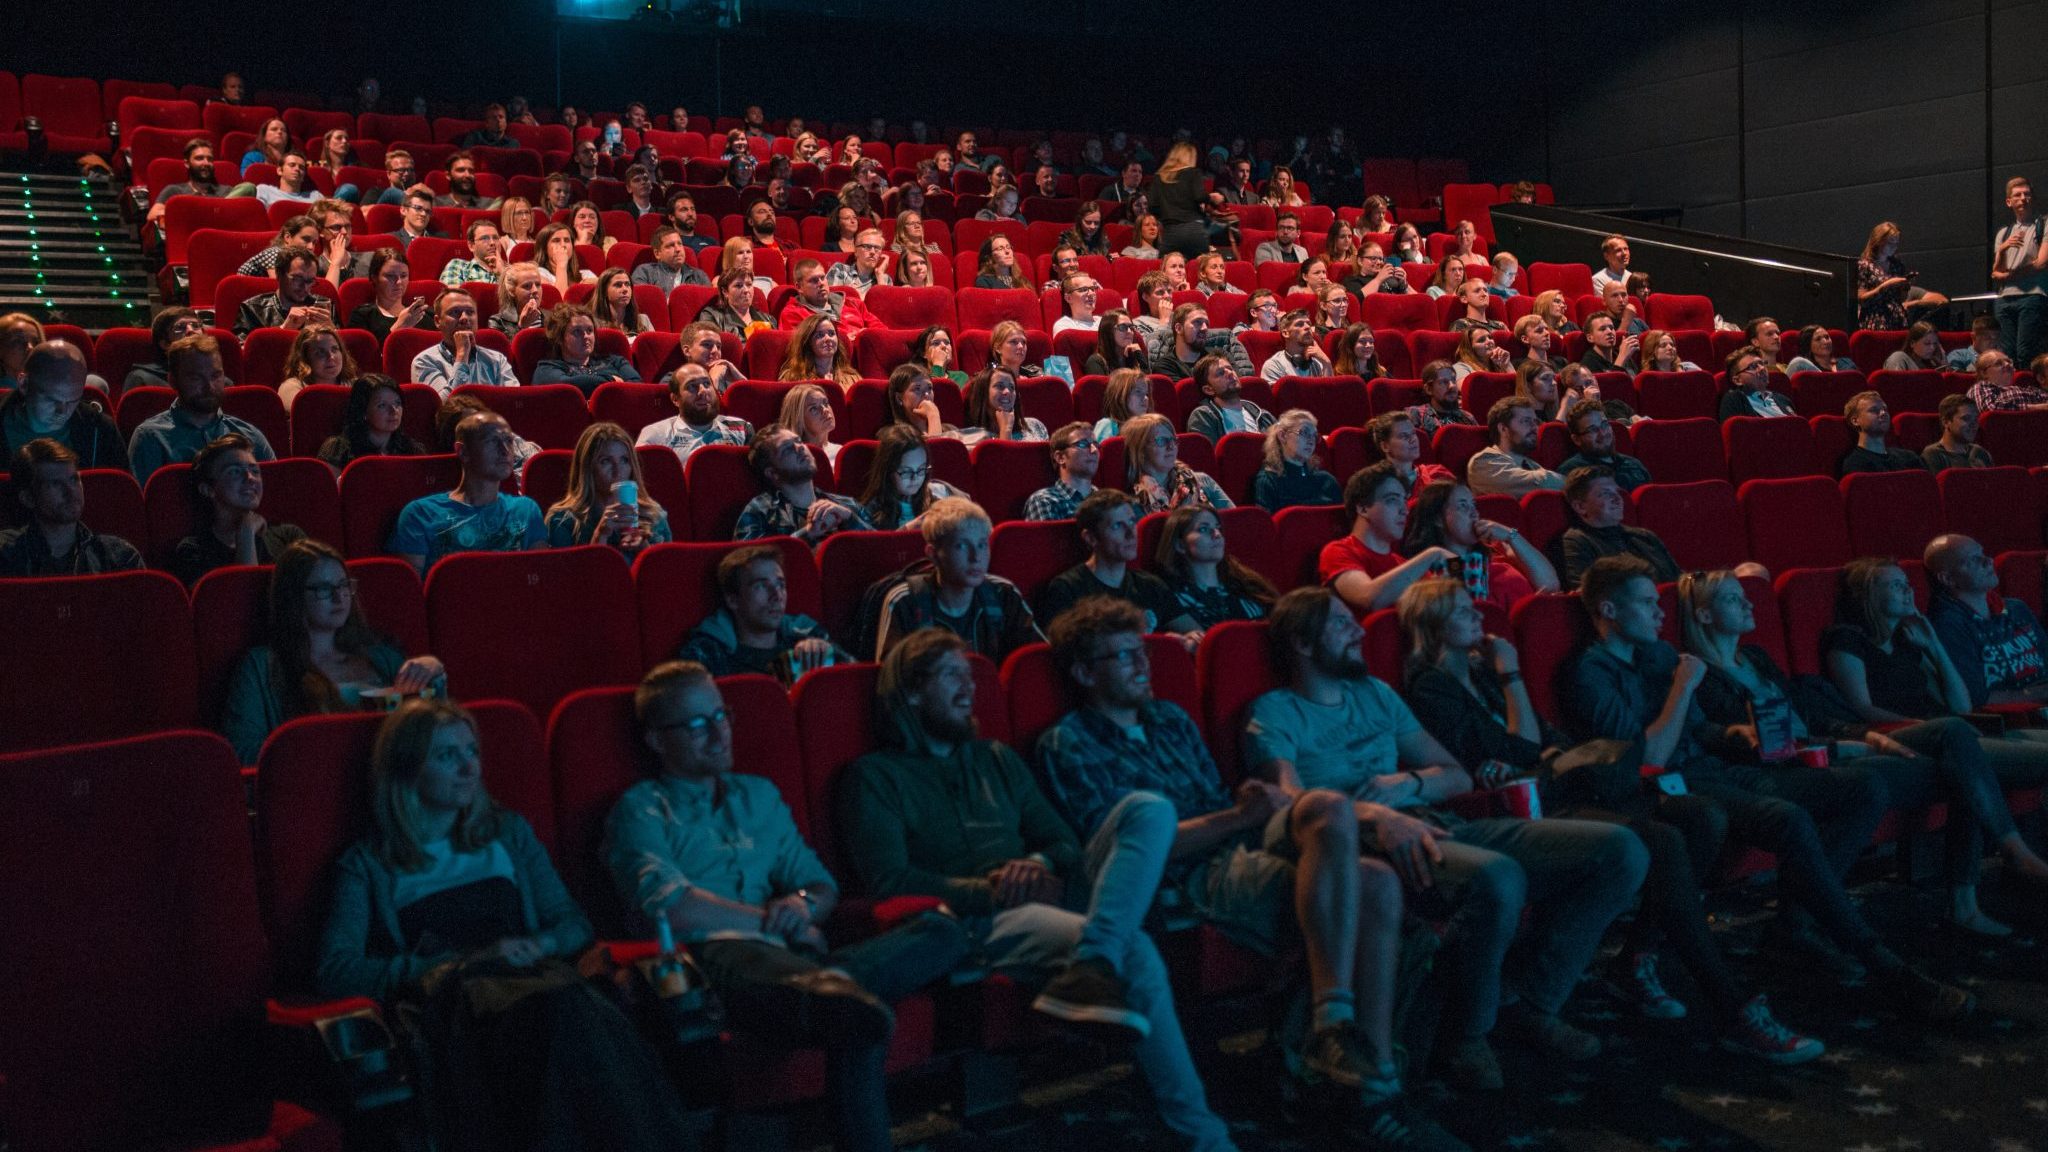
column 1125, row 859
column 2022, row 327
column 1574, row 876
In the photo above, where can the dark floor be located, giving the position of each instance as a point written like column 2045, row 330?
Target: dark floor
column 1885, row 1083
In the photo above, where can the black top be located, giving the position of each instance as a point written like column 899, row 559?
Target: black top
column 1861, row 459
column 202, row 552
column 1472, row 729
column 1581, row 546
column 1078, row 583
column 1179, row 202
column 370, row 319
column 1898, row 679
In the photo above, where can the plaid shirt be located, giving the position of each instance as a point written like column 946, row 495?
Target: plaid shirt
column 459, row 272
column 771, row 514
column 1058, row 502
column 1989, row 397
column 1089, row 764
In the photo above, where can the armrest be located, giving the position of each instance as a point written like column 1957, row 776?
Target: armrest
column 1988, row 723
column 347, row 1047
column 859, row 917
column 2018, row 713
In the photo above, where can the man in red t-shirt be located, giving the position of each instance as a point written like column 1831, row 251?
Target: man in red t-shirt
column 1363, row 566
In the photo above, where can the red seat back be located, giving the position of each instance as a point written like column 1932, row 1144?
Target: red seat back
column 1795, row 522
column 1233, row 667
column 1671, row 311
column 375, row 489
column 849, row 563
column 1678, row 395
column 1994, row 506
column 1700, row 522
column 1007, row 472
column 720, row 484
column 676, row 586
column 579, row 623
column 550, row 415
column 114, row 659
column 1892, row 514
column 1029, row 553
column 1680, row 451
column 1760, row 447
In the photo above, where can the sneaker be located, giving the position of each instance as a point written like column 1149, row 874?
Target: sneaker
column 1336, row 1056
column 1645, row 990
column 1089, row 992
column 1756, row 1033
column 1472, row 1066
column 1398, row 1125
column 1551, row 1036
column 1796, row 933
column 1925, row 998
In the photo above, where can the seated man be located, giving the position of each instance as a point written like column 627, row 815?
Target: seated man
column 1079, row 293
column 1598, row 502
column 1301, row 355
column 682, row 216
column 1443, row 401
column 761, row 227
column 1871, row 420
column 943, row 813
column 1631, row 685
column 227, row 483
column 814, row 298
column 671, row 267
column 1075, row 456
column 462, row 191
column 199, row 179
column 1983, row 338
column 489, row 134
column 1285, row 246
column 697, row 421
column 958, row 594
column 458, row 359
column 1607, row 350
column 337, row 231
column 754, row 630
column 1995, row 391
column 1614, row 256
column 1223, row 409
column 1749, row 387
column 1186, row 340
column 1994, row 641
column 791, row 503
column 1593, row 435
column 865, row 270
column 293, row 305
column 1958, row 447
column 1615, row 302
column 194, row 419
column 1364, row 567
column 477, row 516
column 715, row 857
column 293, row 185
column 1508, row 465
column 50, row 404
column 1335, row 727
column 486, row 257
column 399, row 177
column 1265, row 867
column 55, row 541
column 416, row 217
column 1108, row 522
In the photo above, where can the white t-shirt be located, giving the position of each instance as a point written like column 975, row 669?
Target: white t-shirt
column 1069, row 324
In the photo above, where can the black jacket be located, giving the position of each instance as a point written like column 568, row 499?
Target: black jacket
column 91, row 431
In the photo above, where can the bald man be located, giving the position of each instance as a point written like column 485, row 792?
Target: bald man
column 51, row 404
column 1996, row 643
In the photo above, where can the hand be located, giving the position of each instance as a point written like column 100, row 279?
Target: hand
column 1630, row 345
column 1492, row 532
column 1192, row 641
column 302, row 315
column 529, row 312
column 252, row 523
column 410, row 313
column 1390, row 789
column 786, row 916
column 1500, row 652
column 2014, row 240
column 1439, row 556
column 1148, row 488
column 1409, row 845
column 618, row 518
column 337, row 249
column 1258, row 801
column 1883, row 745
column 1499, row 357
column 1744, row 736
column 1691, row 670
column 518, row 951
column 824, row 517
column 1018, row 882
column 1919, row 631
column 464, row 343
column 1316, row 353
column 928, row 411
column 417, row 675
column 810, row 655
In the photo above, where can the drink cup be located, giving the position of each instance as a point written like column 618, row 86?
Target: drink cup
column 1814, row 756
column 1521, row 799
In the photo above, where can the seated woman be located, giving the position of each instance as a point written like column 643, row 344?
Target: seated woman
column 992, row 410
column 1815, row 346
column 1009, row 349
column 1466, row 689
column 520, row 290
column 1156, row 478
column 1464, row 245
column 1497, row 563
column 1537, row 341
column 1174, row 267
column 1920, row 353
column 932, row 351
column 333, row 152
column 320, row 654
column 1002, row 203
column 807, row 411
column 573, row 356
column 1408, row 248
column 591, row 510
column 909, row 402
column 900, row 485
column 452, row 905
column 1293, row 473
column 1313, row 277
column 738, row 255
column 732, row 310
column 1576, row 382
column 166, row 328
column 317, row 357
column 1886, row 296
column 1938, row 759
column 1340, row 243
column 1088, row 235
column 1144, row 243
column 1357, row 354
column 910, row 236
column 1211, row 585
column 388, row 307
column 1126, row 396
column 586, row 226
column 999, row 266
column 840, row 228
column 1119, row 343
column 1280, row 188
column 1450, row 276
column 1377, row 215
column 554, row 249
column 1536, row 383
column 1333, row 309
column 612, row 304
column 227, row 490
column 913, row 269
column 370, row 425
column 515, row 227
column 1660, row 354
column 816, row 353
column 1478, row 353
column 1400, row 445
column 1555, row 310
column 1211, row 275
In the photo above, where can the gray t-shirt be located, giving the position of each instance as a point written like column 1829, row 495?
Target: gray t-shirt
column 1338, row 746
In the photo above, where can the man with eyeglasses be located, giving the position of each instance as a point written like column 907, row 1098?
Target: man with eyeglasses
column 865, row 270
column 671, row 267
column 583, row 161
column 1285, row 246
column 194, row 419
column 486, row 257
column 716, row 855
column 1108, row 523
column 458, row 359
column 337, row 230
column 55, row 541
column 1075, row 455
column 814, row 298
column 753, row 629
column 697, row 421
column 1066, row 263
column 416, row 217
column 1301, row 355
column 477, row 515
column 1244, row 860
column 399, row 177
column 1081, row 291
column 1749, row 387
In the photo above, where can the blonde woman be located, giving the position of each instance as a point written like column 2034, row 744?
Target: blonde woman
column 515, row 225
column 591, row 512
column 1293, row 473
column 1157, row 479
column 1176, row 195
column 1555, row 311
column 738, row 255
column 807, row 411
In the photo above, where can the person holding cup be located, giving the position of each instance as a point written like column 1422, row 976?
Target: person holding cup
column 1497, row 563
column 321, row 654
column 606, row 501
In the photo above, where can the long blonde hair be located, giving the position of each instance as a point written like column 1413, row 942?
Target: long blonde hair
column 1179, row 159
column 1289, row 424
column 1696, row 590
column 583, row 499
column 793, row 404
column 1425, row 614
column 396, row 761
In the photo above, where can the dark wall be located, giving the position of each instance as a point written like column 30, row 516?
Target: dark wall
column 1806, row 124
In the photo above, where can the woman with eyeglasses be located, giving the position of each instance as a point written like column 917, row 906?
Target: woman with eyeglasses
column 1119, row 343
column 227, row 490
column 900, row 485
column 1293, row 474
column 1211, row 585
column 321, row 655
column 370, row 425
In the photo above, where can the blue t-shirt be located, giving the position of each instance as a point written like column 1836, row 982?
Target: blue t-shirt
column 435, row 526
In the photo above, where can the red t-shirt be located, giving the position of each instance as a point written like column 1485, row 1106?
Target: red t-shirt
column 1347, row 553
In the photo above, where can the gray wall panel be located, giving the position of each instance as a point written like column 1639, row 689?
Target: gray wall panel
column 1922, row 139
column 1947, row 60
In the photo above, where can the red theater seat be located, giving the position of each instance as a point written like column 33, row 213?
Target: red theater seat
column 1700, row 522
column 1892, row 514
column 720, row 484
column 676, row 586
column 579, row 625
column 116, row 659
column 1795, row 523
column 1029, row 553
column 1007, row 472
column 1038, row 695
column 1680, row 451
column 1678, row 395
column 1995, row 506
column 1760, row 447
column 375, row 489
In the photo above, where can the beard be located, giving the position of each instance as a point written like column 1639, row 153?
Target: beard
column 945, row 727
column 1340, row 666
column 464, row 185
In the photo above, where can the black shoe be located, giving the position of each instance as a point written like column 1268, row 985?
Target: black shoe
column 1924, row 998
column 1397, row 1125
column 1089, row 993
column 835, row 1009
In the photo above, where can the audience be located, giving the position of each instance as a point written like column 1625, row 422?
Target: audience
column 2019, row 256
column 1983, row 338
column 1660, row 354
column 1764, row 335
column 900, row 486
column 957, row 594
column 1592, row 434
column 1442, row 400
column 672, row 266
column 1108, row 523
column 1497, row 563
column 165, row 328
column 1606, row 349
column 992, row 410
column 1885, row 292
column 1358, row 354
column 605, row 500
column 1364, row 567
column 55, row 541
column 1995, row 390
column 910, row 401
column 1958, row 447
column 1120, row 344
column 318, row 356
column 194, row 419
column 1300, row 355
column 1393, row 433
column 1293, row 473
column 1871, row 420
column 50, row 404
column 1614, row 257
column 476, row 515
column 485, row 261
column 1921, row 351
column 459, row 359
column 791, row 503
column 615, row 306
column 1994, row 641
column 293, row 304
column 371, row 425
column 1075, row 456
column 1507, row 466
column 732, row 310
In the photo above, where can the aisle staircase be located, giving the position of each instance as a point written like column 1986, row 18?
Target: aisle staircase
column 66, row 256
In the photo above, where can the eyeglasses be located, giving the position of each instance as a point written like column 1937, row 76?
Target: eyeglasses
column 324, row 593
column 917, row 473
column 696, row 726
column 869, row 247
